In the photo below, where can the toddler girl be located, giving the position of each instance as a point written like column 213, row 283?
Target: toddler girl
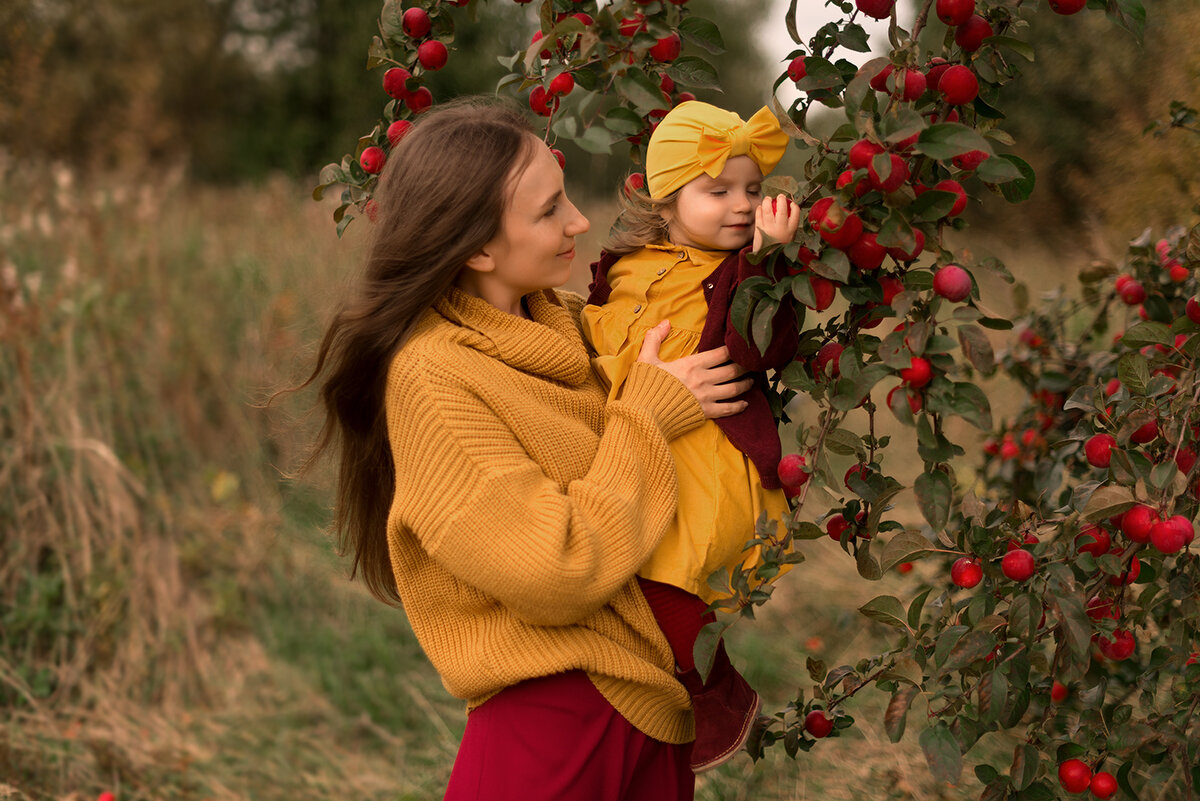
column 677, row 254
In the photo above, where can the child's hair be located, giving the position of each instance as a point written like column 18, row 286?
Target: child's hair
column 640, row 221
column 441, row 198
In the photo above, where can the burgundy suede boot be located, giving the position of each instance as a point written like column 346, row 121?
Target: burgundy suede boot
column 725, row 708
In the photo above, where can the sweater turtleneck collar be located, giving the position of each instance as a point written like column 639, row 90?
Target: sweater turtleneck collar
column 548, row 344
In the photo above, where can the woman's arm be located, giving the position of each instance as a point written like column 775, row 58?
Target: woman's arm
column 486, row 511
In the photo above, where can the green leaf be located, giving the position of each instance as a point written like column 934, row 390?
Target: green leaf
column 853, row 37
column 1026, row 760
column 1133, row 371
column 906, row 546
column 933, row 205
column 933, row 493
column 949, row 139
column 624, row 121
column 761, row 326
column 896, row 714
column 704, row 650
column 844, row 443
column 1076, row 627
column 971, row 404
column 1106, row 501
column 942, row 753
column 866, row 564
column 1147, row 333
column 1021, row 188
column 819, row 74
column 972, row 647
column 998, row 171
column 642, row 92
column 694, row 72
column 702, row 32
column 885, row 609
column 977, row 347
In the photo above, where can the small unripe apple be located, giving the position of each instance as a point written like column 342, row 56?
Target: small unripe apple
column 394, row 82
column 1120, row 647
column 432, row 54
column 862, row 151
column 970, row 35
column 416, row 22
column 1074, row 775
column 667, row 48
column 876, row 9
column 816, row 724
column 955, row 12
column 372, row 159
column 1058, row 692
column 966, row 572
column 796, row 69
column 1098, row 449
column 792, row 474
column 953, row 283
column 958, row 85
column 1066, row 7
column 1103, row 784
column 1018, row 565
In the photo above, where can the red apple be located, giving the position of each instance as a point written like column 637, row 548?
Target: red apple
column 824, row 291
column 837, row 226
column 1099, row 608
column 1074, row 775
column 836, row 526
column 816, row 724
column 1018, row 565
column 1067, row 6
column 1058, row 692
column 1132, row 292
column 631, row 25
column 1185, row 527
column 953, row 283
column 1192, row 310
column 862, row 151
column 1103, row 784
column 899, row 254
column 1144, row 433
column 397, row 130
column 955, row 12
column 796, row 69
column 667, row 48
column 432, row 54
column 1121, row 646
column 372, row 159
column 542, row 103
column 394, row 82
column 910, row 84
column 866, row 253
column 1130, row 575
column 970, row 34
column 966, row 572
column 562, row 159
column 1093, row 540
column 918, row 373
column 970, row 160
column 897, row 174
column 876, row 9
column 914, row 400
column 826, row 360
column 951, row 185
column 415, row 22
column 562, row 84
column 1167, row 537
column 958, row 85
column 879, row 82
column 792, row 474
column 1137, row 522
column 1098, row 449
column 419, row 100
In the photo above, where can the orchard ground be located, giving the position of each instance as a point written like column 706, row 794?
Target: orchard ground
column 266, row 675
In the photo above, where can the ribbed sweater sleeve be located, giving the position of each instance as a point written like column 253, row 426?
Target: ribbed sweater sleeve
column 484, row 509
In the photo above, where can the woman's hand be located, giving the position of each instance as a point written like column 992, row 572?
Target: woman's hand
column 778, row 217
column 710, row 376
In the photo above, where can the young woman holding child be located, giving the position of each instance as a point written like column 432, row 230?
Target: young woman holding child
column 486, row 478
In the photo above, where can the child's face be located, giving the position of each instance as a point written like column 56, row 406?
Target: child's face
column 717, row 213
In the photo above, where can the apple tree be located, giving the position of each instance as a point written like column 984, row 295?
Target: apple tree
column 1056, row 595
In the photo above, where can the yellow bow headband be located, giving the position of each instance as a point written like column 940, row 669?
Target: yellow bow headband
column 696, row 138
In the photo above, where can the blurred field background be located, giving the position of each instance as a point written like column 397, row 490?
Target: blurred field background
column 173, row 622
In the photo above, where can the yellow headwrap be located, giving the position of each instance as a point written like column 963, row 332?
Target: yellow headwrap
column 697, row 138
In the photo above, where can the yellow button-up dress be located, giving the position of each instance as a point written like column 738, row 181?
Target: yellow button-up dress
column 720, row 495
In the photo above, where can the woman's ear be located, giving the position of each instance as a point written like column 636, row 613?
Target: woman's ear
column 481, row 262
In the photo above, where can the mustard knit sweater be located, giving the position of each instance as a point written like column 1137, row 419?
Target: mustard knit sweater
column 525, row 503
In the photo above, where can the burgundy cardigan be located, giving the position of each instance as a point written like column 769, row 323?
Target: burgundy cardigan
column 753, row 431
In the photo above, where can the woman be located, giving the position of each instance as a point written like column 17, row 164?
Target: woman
column 486, row 479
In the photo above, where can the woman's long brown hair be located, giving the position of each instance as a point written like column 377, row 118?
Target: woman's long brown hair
column 440, row 199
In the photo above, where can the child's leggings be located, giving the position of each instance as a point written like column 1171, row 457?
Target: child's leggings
column 556, row 738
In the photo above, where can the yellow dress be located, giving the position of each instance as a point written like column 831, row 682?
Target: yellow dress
column 720, row 495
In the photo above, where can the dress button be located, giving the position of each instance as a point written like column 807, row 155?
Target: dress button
column 637, row 308
column 662, row 271
column 708, row 286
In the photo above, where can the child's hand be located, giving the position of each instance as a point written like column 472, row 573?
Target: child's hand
column 778, row 217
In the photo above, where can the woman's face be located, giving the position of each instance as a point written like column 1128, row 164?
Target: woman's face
column 535, row 245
